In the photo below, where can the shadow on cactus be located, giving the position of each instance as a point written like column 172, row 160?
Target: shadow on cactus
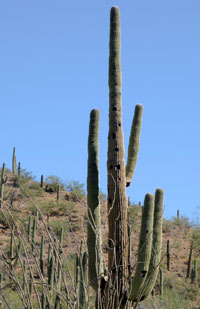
column 114, row 284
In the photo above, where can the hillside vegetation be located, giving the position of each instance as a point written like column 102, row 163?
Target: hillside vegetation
column 30, row 210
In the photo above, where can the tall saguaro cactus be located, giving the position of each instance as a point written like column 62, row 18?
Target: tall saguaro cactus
column 3, row 181
column 14, row 162
column 118, row 289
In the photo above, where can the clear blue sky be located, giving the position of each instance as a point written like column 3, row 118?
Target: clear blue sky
column 54, row 70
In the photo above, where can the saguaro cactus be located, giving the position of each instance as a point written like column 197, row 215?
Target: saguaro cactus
column 14, row 162
column 3, row 181
column 168, row 256
column 115, row 293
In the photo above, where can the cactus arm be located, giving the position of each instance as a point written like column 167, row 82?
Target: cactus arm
column 134, row 143
column 94, row 217
column 156, row 245
column 144, row 249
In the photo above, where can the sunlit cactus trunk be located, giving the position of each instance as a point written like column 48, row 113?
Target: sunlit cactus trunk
column 117, row 199
column 116, row 288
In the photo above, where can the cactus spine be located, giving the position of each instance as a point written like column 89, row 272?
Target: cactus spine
column 3, row 181
column 115, row 294
column 14, row 162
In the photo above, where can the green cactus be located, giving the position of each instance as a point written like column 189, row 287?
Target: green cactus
column 144, row 249
column 29, row 228
column 189, row 264
column 34, row 233
column 30, row 282
column 93, row 201
column 178, row 217
column 58, row 300
column 58, row 192
column 24, row 276
column 115, row 289
column 51, row 273
column 14, row 162
column 168, row 256
column 161, row 282
column 194, row 273
column 41, row 255
column 76, row 277
column 3, row 181
column 19, row 169
column 11, row 252
column 83, row 280
column 42, row 181
column 1, row 280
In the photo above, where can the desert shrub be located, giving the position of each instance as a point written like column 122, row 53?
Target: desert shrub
column 13, row 299
column 134, row 217
column 196, row 239
column 66, row 207
column 182, row 221
column 47, row 207
column 77, row 190
column 7, row 219
column 23, row 179
column 54, row 181
column 56, row 225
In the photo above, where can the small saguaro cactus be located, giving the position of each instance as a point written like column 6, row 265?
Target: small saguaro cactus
column 14, row 162
column 178, row 216
column 58, row 192
column 34, row 228
column 116, row 288
column 189, row 263
column 168, row 255
column 41, row 255
column 42, row 181
column 161, row 282
column 19, row 169
column 3, row 181
column 29, row 228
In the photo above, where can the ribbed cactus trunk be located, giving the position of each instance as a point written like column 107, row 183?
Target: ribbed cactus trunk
column 114, row 288
column 94, row 218
column 117, row 199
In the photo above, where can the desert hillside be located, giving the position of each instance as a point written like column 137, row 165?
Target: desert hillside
column 30, row 209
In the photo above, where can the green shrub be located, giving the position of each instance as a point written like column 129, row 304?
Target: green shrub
column 54, row 181
column 48, row 207
column 7, row 219
column 196, row 239
column 56, row 226
column 77, row 190
column 182, row 221
column 66, row 207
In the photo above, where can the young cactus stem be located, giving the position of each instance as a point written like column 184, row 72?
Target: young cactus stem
column 3, row 181
column 14, row 162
